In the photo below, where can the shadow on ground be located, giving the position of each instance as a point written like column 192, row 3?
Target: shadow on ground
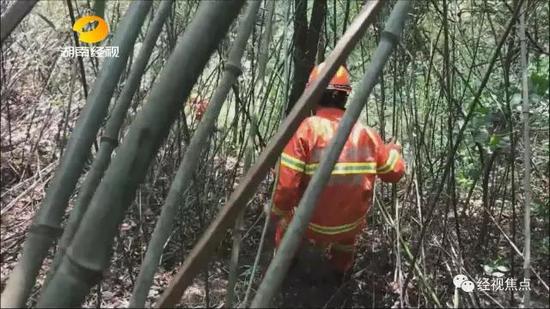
column 311, row 283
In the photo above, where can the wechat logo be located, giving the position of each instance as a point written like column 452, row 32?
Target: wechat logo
column 462, row 282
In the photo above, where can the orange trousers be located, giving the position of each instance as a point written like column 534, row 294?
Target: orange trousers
column 340, row 255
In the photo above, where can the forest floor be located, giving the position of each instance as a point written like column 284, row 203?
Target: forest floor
column 369, row 286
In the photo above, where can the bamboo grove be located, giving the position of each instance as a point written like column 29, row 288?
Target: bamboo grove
column 117, row 190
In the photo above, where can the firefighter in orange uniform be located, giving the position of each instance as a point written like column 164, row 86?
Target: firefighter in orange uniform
column 198, row 107
column 340, row 213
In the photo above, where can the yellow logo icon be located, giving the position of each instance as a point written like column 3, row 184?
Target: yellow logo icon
column 98, row 34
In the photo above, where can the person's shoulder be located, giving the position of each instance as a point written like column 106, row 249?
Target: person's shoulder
column 316, row 121
column 370, row 132
column 364, row 129
column 312, row 120
column 316, row 126
column 305, row 125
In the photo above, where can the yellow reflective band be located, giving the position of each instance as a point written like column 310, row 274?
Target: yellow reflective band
column 292, row 163
column 279, row 212
column 333, row 230
column 390, row 163
column 354, row 168
column 346, row 168
column 310, row 168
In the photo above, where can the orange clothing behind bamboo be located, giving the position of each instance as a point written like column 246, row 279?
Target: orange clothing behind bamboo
column 340, row 214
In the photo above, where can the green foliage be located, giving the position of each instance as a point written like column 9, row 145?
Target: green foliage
column 539, row 70
column 540, row 210
column 544, row 245
column 463, row 180
column 247, row 272
column 496, row 268
column 466, row 172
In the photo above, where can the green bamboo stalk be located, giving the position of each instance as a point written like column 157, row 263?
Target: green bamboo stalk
column 45, row 228
column 14, row 15
column 249, row 154
column 90, row 251
column 293, row 236
column 99, row 8
column 234, row 262
column 265, row 228
column 188, row 164
column 526, row 157
column 110, row 137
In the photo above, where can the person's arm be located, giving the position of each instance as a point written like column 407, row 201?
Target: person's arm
column 291, row 171
column 390, row 165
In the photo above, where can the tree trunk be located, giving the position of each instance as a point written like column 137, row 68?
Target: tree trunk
column 306, row 41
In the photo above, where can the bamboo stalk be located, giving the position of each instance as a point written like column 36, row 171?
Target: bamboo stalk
column 421, row 275
column 99, row 8
column 192, row 155
column 13, row 16
column 89, row 253
column 265, row 228
column 249, row 154
column 526, row 158
column 45, row 228
column 72, row 19
column 110, row 138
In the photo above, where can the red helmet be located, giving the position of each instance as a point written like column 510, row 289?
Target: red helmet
column 339, row 82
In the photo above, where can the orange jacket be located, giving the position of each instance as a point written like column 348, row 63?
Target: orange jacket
column 198, row 107
column 343, row 204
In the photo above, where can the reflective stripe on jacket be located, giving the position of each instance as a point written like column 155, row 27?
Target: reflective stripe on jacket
column 343, row 203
